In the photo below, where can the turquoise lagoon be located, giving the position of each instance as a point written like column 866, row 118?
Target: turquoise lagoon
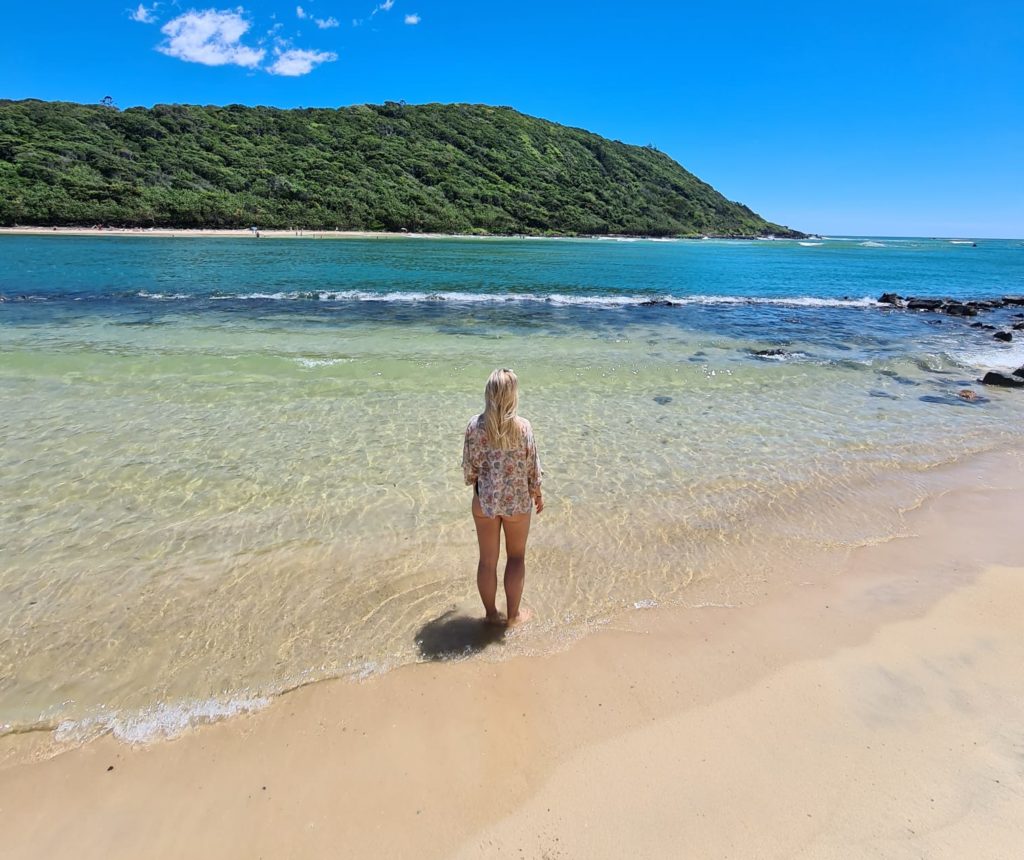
column 231, row 466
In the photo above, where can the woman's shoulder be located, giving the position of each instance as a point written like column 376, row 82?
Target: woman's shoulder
column 526, row 426
column 475, row 423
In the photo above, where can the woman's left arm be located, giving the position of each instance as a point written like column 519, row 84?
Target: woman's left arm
column 470, row 470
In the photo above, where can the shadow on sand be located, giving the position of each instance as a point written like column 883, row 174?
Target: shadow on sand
column 452, row 636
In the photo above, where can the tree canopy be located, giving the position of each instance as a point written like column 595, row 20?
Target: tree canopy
column 435, row 168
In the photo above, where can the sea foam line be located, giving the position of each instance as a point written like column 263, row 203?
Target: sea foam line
column 160, row 722
column 558, row 299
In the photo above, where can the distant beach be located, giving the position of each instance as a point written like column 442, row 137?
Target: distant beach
column 227, row 233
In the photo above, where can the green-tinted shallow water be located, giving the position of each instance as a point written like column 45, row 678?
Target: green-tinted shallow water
column 231, row 467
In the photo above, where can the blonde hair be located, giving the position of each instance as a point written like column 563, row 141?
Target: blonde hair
column 501, row 399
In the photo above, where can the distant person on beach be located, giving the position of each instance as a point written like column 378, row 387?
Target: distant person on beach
column 500, row 460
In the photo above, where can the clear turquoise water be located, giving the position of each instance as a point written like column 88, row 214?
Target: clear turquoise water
column 231, row 465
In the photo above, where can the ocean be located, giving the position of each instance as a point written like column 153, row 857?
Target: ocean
column 231, row 466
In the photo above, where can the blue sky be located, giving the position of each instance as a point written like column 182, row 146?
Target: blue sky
column 902, row 118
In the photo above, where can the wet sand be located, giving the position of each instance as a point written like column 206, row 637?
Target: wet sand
column 872, row 713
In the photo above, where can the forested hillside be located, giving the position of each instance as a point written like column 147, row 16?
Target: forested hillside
column 435, row 168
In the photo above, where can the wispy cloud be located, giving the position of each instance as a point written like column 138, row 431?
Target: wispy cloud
column 413, row 19
column 301, row 13
column 143, row 15
column 326, row 23
column 295, row 62
column 383, row 7
column 211, row 37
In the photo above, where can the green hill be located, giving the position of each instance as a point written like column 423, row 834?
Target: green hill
column 436, row 168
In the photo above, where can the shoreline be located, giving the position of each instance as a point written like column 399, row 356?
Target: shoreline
column 245, row 233
column 701, row 728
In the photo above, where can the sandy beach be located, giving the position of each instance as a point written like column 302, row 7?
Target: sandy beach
column 866, row 714
column 229, row 233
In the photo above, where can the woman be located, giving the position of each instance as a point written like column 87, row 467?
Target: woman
column 500, row 460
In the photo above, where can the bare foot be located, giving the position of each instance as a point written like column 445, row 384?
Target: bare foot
column 521, row 617
column 495, row 618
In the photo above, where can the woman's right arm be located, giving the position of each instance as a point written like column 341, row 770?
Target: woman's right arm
column 534, row 472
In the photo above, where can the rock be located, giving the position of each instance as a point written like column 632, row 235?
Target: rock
column 661, row 400
column 967, row 394
column 1013, row 300
column 956, row 309
column 1018, row 326
column 769, row 353
column 658, row 303
column 1004, row 336
column 1004, row 380
column 891, row 299
column 1019, row 371
column 924, row 304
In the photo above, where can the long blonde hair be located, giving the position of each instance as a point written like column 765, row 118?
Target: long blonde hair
column 501, row 400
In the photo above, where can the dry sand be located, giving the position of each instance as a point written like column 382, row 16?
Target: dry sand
column 875, row 714
column 213, row 233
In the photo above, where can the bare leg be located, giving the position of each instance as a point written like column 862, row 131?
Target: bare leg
column 517, row 529
column 488, row 535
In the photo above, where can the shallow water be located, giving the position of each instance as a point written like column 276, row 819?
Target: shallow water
column 232, row 466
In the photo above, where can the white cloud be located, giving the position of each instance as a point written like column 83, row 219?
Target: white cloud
column 412, row 19
column 386, row 5
column 143, row 15
column 295, row 62
column 326, row 23
column 301, row 13
column 211, row 37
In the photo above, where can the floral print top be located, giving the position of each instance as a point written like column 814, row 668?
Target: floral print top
column 506, row 481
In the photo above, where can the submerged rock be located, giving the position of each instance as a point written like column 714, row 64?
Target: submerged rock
column 953, row 401
column 924, row 304
column 1004, row 380
column 1004, row 336
column 769, row 353
column 662, row 399
column 891, row 299
column 967, row 394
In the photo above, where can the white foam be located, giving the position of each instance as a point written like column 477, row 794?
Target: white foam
column 1006, row 357
column 811, row 244
column 610, row 301
column 321, row 362
column 157, row 723
column 645, row 604
column 142, row 294
column 870, row 244
column 783, row 356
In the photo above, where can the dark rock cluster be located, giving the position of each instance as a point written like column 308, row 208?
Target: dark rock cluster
column 955, row 308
